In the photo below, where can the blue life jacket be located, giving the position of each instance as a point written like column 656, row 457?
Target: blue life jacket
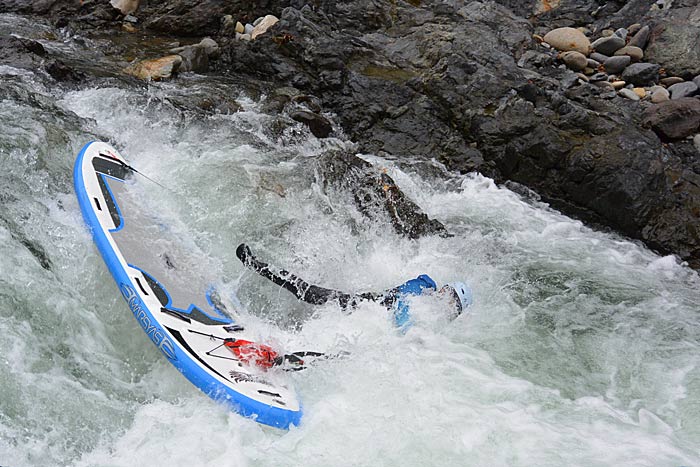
column 411, row 288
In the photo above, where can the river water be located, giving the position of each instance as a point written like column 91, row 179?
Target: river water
column 582, row 348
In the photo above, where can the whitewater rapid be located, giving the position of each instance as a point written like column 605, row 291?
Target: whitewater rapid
column 582, row 348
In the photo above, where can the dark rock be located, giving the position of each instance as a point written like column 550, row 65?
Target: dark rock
column 318, row 124
column 681, row 90
column 598, row 57
column 194, row 58
column 674, row 42
column 62, row 72
column 375, row 194
column 674, row 119
column 642, row 74
column 641, row 38
column 608, row 45
column 615, row 65
column 598, row 77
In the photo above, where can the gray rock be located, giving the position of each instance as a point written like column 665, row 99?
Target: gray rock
column 210, row 47
column 621, row 33
column 671, row 80
column 194, row 58
column 659, row 95
column 592, row 63
column 257, row 21
column 628, row 94
column 674, row 42
column 574, row 60
column 615, row 65
column 696, row 142
column 635, row 53
column 641, row 38
column 598, row 77
column 641, row 74
column 608, row 45
column 684, row 89
column 696, row 80
column 634, row 28
column 598, row 57
column 674, row 119
column 248, row 28
column 534, row 59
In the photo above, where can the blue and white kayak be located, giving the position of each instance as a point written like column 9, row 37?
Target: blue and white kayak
column 168, row 294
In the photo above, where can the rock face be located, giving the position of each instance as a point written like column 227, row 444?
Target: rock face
column 675, row 40
column 375, row 194
column 674, row 119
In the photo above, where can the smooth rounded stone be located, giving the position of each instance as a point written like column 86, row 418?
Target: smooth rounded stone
column 599, row 77
column 538, row 38
column 210, row 47
column 628, row 94
column 240, row 29
column 588, row 71
column 155, row 69
column 608, row 45
column 635, row 53
column 671, row 80
column 248, row 28
column 674, row 119
column 617, row 64
column 659, row 95
column 684, row 89
column 633, row 28
column 262, row 27
column 582, row 77
column 696, row 142
column 642, row 74
column 592, row 63
column 565, row 39
column 641, row 92
column 126, row 7
column 243, row 37
column 257, row 21
column 574, row 60
column 607, row 32
column 621, row 33
column 598, row 57
column 641, row 38
column 618, row 85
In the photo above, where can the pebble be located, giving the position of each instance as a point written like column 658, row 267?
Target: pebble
column 607, row 32
column 641, row 92
column 659, row 95
column 599, row 77
column 617, row 64
column 635, row 53
column 257, row 21
column 618, row 85
column 565, row 39
column 131, row 19
column 598, row 57
column 604, row 85
column 641, row 38
column 592, row 63
column 574, row 60
column 684, row 89
column 629, row 94
column 621, row 33
column 588, row 70
column 248, row 28
column 582, row 77
column 240, row 29
column 608, row 45
column 641, row 74
column 242, row 37
column 671, row 80
column 633, row 28
column 696, row 142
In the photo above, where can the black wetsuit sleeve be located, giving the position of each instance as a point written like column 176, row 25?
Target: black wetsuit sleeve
column 301, row 289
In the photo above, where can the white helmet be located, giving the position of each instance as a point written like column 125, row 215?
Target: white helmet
column 463, row 293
